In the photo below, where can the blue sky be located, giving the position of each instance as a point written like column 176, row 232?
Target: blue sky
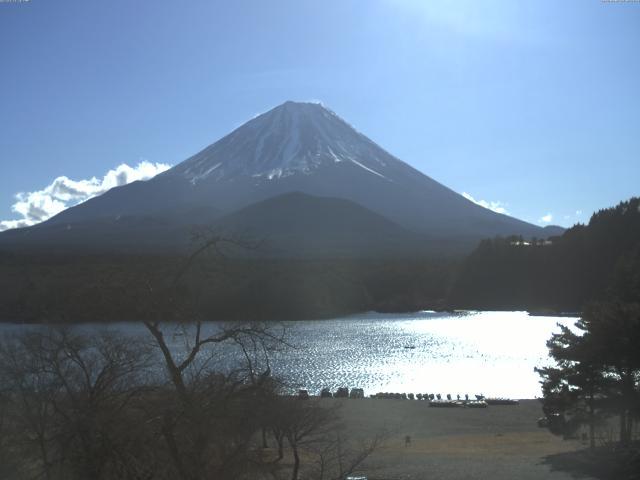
column 531, row 105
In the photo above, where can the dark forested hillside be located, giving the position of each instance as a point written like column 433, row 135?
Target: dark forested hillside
column 561, row 274
column 69, row 289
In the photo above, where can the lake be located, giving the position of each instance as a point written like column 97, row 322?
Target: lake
column 490, row 353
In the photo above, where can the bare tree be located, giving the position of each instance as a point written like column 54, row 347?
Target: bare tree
column 339, row 456
column 209, row 417
column 7, row 459
column 305, row 424
column 66, row 396
column 321, row 446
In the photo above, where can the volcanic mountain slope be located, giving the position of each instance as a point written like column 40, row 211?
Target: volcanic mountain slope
column 295, row 147
column 303, row 226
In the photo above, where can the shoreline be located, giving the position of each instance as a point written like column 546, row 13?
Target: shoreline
column 345, row 315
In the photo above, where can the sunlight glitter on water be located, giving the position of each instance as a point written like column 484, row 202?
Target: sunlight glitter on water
column 492, row 353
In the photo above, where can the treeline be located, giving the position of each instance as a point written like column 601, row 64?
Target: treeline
column 561, row 274
column 70, row 289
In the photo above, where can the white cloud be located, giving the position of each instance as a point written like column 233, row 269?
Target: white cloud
column 546, row 218
column 9, row 224
column 497, row 207
column 62, row 193
column 578, row 213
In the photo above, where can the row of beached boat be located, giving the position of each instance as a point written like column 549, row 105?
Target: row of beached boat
column 435, row 400
column 458, row 403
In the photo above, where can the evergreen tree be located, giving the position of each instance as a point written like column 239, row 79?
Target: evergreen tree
column 614, row 338
column 597, row 370
column 571, row 389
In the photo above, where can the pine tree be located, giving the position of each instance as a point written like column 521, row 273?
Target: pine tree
column 597, row 370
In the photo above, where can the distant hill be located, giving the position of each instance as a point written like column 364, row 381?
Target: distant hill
column 150, row 233
column 553, row 231
column 304, row 226
column 577, row 267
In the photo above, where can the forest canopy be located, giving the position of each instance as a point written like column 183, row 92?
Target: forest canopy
column 560, row 274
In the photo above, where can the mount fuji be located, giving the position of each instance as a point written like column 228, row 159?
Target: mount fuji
column 300, row 154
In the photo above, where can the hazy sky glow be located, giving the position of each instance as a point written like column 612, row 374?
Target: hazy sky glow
column 530, row 107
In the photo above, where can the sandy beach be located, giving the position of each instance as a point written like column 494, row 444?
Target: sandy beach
column 499, row 442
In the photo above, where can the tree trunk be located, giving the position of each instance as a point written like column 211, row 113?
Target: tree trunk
column 264, row 438
column 174, row 452
column 628, row 387
column 296, row 463
column 45, row 457
column 592, row 420
column 174, row 372
column 592, row 436
column 623, row 426
column 280, row 441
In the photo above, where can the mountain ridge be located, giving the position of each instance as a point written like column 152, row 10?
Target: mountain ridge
column 300, row 147
column 298, row 225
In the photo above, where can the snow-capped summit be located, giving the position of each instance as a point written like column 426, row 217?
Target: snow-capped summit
column 293, row 138
column 295, row 147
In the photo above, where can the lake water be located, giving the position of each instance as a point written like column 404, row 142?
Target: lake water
column 492, row 353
